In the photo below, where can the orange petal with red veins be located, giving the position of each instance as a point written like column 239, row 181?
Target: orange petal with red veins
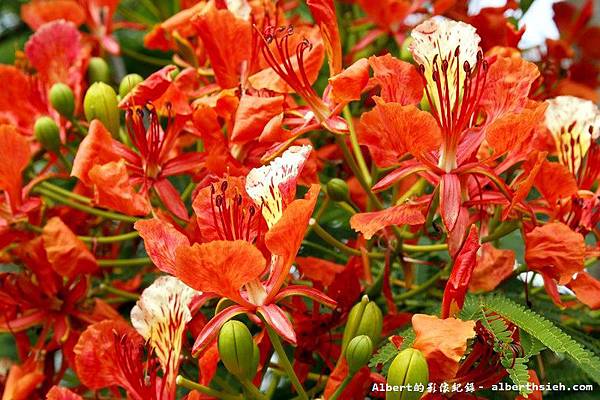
column 220, row 266
column 285, row 237
column 493, row 266
column 37, row 13
column 53, row 50
column 507, row 86
column 525, row 183
column 16, row 106
column 349, row 84
column 150, row 89
column 112, row 189
column 392, row 130
column 95, row 148
column 253, row 114
column 371, row 222
column 323, row 11
column 161, row 241
column 96, row 361
column 587, row 289
column 22, row 380
column 219, row 31
column 554, row 181
column 15, row 154
column 443, row 342
column 400, row 81
column 62, row 393
column 555, row 250
column 510, row 130
column 68, row 255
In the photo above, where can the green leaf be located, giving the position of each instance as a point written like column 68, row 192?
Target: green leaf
column 546, row 332
column 389, row 351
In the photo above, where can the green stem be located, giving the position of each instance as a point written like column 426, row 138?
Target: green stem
column 90, row 210
column 64, row 192
column 186, row 383
column 119, row 292
column 285, row 362
column 324, row 249
column 110, row 239
column 338, row 392
column 421, row 288
column 252, row 390
column 131, row 262
column 362, row 165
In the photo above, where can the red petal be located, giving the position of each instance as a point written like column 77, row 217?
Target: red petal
column 349, row 84
column 323, row 11
column 507, row 86
column 220, row 267
column 443, row 342
column 253, row 114
column 211, row 329
column 510, row 130
column 53, row 50
column 555, row 250
column 182, row 163
column 587, row 289
column 450, row 200
column 318, row 270
column 96, row 354
column 311, row 293
column 216, row 28
column 95, row 148
column 555, row 182
column 398, row 174
column 392, row 130
column 68, row 255
column 462, row 270
column 37, row 13
column 161, row 240
column 276, row 319
column 19, row 104
column 62, row 393
column 400, row 81
column 171, row 198
column 113, row 189
column 285, row 237
column 493, row 266
column 14, row 153
column 150, row 89
column 369, row 223
column 525, row 185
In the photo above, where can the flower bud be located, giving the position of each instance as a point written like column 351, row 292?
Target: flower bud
column 358, row 353
column 101, row 103
column 47, row 133
column 62, row 99
column 128, row 83
column 408, row 368
column 365, row 318
column 237, row 350
column 98, row 70
column 337, row 190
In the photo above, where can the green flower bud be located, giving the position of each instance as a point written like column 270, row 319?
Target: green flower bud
column 62, row 99
column 408, row 368
column 425, row 103
column 128, row 83
column 365, row 318
column 47, row 133
column 237, row 350
column 337, row 190
column 358, row 353
column 98, row 70
column 101, row 103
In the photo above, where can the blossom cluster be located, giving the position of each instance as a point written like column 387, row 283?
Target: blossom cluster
column 256, row 199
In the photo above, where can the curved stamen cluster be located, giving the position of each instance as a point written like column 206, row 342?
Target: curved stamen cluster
column 151, row 141
column 291, row 70
column 231, row 219
column 453, row 89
